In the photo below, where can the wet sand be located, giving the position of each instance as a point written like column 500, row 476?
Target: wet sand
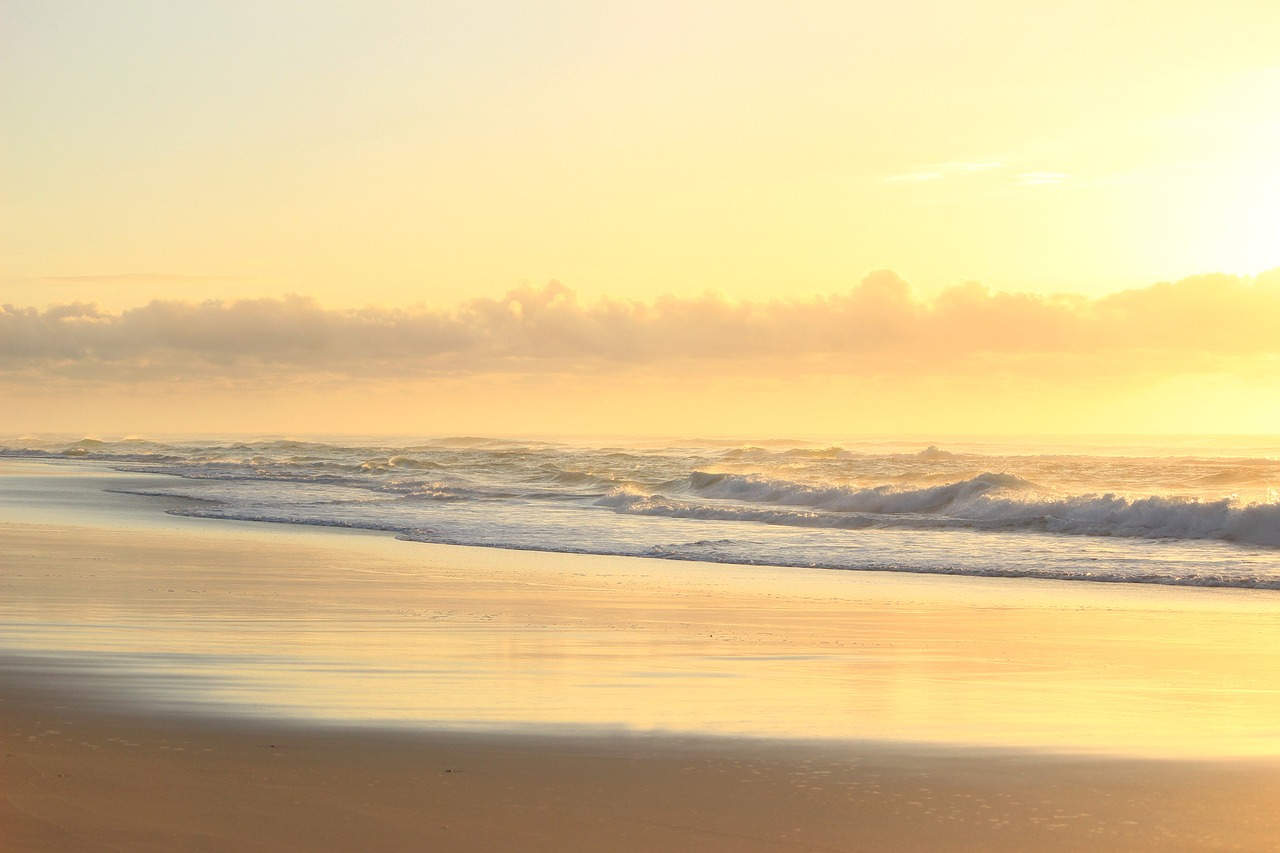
column 74, row 780
column 177, row 684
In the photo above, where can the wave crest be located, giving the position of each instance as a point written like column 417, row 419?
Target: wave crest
column 989, row 501
column 837, row 498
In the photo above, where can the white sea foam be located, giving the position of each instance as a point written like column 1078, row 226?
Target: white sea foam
column 836, row 498
column 1185, row 518
column 968, row 504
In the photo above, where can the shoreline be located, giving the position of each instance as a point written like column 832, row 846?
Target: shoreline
column 170, row 511
column 169, row 683
column 329, row 624
column 1035, row 552
column 247, row 621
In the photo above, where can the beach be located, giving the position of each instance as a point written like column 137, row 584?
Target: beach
column 74, row 780
column 452, row 426
column 176, row 683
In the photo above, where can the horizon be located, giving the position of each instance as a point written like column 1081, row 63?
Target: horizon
column 844, row 442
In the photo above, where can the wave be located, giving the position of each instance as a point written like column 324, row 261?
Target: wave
column 808, row 487
column 836, row 498
column 398, row 463
column 988, row 501
column 740, row 552
column 1256, row 475
column 833, row 452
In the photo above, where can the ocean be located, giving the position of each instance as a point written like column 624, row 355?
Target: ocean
column 1193, row 511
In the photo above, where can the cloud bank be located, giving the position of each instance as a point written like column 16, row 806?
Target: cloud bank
column 881, row 326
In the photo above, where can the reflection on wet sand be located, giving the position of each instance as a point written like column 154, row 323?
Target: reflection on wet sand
column 336, row 626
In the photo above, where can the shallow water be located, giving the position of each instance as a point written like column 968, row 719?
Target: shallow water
column 115, row 600
column 1192, row 511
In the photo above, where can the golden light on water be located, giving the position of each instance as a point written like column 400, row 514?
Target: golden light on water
column 370, row 629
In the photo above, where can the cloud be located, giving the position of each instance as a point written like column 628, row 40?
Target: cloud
column 1042, row 179
column 879, row 327
column 137, row 278
column 942, row 170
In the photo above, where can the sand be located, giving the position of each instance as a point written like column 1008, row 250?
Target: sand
column 179, row 684
column 76, row 781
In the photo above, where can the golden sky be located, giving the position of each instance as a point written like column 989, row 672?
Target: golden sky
column 724, row 217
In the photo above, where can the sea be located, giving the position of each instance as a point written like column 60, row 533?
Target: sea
column 1192, row 511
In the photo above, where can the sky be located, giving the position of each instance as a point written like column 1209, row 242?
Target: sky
column 736, row 218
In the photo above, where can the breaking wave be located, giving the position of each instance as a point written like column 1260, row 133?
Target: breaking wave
column 836, row 498
column 988, row 501
column 1183, row 519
